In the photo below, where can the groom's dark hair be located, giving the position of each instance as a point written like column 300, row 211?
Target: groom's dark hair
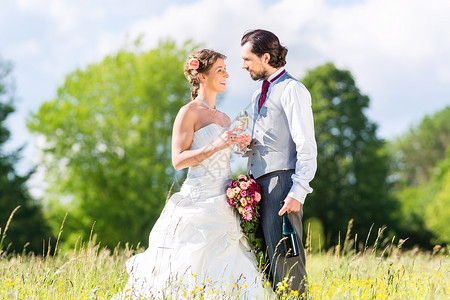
column 264, row 41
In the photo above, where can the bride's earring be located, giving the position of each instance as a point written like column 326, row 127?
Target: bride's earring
column 204, row 84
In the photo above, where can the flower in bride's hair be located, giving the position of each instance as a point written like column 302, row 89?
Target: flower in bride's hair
column 193, row 63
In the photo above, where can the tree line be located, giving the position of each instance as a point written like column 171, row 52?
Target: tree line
column 107, row 158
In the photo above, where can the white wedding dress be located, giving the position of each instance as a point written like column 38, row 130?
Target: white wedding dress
column 196, row 248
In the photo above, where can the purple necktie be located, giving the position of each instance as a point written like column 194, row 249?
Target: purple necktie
column 262, row 97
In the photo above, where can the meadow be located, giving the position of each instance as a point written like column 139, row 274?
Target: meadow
column 90, row 271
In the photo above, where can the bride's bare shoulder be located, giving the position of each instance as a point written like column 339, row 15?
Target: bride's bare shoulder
column 225, row 119
column 188, row 113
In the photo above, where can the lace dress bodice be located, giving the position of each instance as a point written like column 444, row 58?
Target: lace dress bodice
column 216, row 167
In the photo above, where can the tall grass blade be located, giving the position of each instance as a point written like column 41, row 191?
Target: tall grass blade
column 6, row 228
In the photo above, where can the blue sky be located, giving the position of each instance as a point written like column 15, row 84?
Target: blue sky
column 396, row 49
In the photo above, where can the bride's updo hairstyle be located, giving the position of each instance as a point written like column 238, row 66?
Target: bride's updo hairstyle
column 199, row 62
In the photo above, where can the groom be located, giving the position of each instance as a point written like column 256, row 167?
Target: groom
column 283, row 151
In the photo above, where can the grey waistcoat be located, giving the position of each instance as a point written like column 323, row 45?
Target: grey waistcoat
column 272, row 146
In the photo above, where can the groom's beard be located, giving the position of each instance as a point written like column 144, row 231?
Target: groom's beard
column 257, row 76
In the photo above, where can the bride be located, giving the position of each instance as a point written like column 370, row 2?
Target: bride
column 196, row 248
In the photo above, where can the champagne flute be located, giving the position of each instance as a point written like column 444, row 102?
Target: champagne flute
column 241, row 122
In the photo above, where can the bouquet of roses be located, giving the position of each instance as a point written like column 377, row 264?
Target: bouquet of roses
column 244, row 194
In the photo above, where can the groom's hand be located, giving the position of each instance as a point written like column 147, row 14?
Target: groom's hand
column 290, row 205
column 246, row 140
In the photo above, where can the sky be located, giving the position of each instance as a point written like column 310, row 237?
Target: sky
column 397, row 50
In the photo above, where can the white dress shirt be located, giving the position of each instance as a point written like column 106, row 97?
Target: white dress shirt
column 296, row 102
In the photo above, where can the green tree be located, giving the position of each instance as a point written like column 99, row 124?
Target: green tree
column 108, row 137
column 419, row 151
column 27, row 229
column 437, row 212
column 413, row 203
column 351, row 179
column 419, row 167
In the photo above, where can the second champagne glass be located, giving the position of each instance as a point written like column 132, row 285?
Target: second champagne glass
column 241, row 122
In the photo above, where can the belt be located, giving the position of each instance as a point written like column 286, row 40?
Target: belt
column 275, row 173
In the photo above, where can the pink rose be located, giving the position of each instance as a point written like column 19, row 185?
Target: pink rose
column 234, row 184
column 230, row 193
column 193, row 63
column 247, row 216
column 231, row 202
column 249, row 208
column 250, row 201
column 242, row 177
column 257, row 196
column 243, row 193
column 244, row 185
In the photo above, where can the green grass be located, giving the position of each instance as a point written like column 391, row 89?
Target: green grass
column 91, row 272
column 94, row 273
column 406, row 275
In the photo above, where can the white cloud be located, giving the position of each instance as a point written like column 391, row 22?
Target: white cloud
column 63, row 12
column 380, row 41
column 407, row 31
column 67, row 15
column 443, row 74
column 28, row 4
column 27, row 48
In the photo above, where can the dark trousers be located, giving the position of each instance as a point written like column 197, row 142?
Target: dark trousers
column 274, row 189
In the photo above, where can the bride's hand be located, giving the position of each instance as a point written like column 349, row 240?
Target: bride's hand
column 229, row 138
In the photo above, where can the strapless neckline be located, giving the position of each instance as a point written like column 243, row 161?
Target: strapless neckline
column 207, row 126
